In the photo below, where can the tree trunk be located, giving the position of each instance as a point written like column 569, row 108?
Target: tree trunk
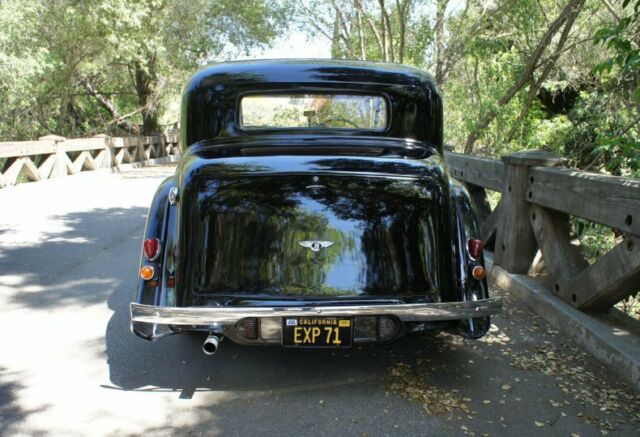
column 363, row 52
column 145, row 81
column 402, row 22
column 386, row 25
column 572, row 7
column 439, row 39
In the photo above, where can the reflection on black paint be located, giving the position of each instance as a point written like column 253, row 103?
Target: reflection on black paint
column 247, row 231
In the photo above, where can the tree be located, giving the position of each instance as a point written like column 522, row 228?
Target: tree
column 112, row 64
column 565, row 20
column 382, row 30
column 620, row 72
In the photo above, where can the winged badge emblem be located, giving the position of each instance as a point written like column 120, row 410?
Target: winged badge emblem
column 315, row 245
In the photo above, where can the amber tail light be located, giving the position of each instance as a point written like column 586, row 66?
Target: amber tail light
column 147, row 273
column 478, row 273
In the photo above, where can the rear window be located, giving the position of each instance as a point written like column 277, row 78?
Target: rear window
column 300, row 111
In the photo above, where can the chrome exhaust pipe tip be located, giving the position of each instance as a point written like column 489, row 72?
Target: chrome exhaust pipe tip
column 211, row 344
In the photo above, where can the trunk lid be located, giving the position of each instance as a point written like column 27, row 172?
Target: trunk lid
column 316, row 227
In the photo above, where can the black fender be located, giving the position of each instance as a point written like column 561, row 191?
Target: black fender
column 466, row 227
column 159, row 224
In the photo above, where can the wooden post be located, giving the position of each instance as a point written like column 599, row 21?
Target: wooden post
column 516, row 244
column 106, row 155
column 60, row 166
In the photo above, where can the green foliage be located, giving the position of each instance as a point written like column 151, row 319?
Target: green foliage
column 136, row 54
column 618, row 147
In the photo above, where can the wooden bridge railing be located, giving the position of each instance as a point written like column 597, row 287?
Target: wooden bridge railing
column 538, row 196
column 53, row 156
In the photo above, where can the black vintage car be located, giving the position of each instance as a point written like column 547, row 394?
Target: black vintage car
column 311, row 207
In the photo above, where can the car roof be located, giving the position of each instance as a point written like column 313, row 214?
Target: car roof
column 210, row 103
column 266, row 71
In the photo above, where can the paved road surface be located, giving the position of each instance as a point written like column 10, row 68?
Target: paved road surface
column 69, row 253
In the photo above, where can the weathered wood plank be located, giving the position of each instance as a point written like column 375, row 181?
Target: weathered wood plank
column 140, row 154
column 487, row 173
column 12, row 173
column 71, row 169
column 30, row 170
column 84, row 160
column 133, row 141
column 127, row 157
column 516, row 245
column 562, row 259
column 117, row 142
column 26, row 148
column 155, row 139
column 489, row 226
column 118, row 157
column 46, row 167
column 609, row 200
column 81, row 144
column 613, row 277
column 90, row 163
column 172, row 138
column 59, row 167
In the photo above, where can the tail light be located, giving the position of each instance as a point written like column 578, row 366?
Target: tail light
column 386, row 328
column 248, row 328
column 478, row 273
column 147, row 272
column 475, row 247
column 151, row 247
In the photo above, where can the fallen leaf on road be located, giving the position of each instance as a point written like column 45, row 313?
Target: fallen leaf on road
column 408, row 383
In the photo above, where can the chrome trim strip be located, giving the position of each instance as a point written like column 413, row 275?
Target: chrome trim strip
column 227, row 315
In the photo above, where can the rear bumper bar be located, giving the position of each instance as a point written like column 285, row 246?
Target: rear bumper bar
column 423, row 312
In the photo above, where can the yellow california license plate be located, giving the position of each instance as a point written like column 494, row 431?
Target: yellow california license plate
column 317, row 331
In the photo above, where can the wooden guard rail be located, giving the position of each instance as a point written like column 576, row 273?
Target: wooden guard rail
column 533, row 214
column 53, row 156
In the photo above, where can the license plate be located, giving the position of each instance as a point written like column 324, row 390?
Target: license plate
column 317, row 331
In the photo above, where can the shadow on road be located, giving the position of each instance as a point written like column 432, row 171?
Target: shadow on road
column 34, row 269
column 11, row 412
column 177, row 363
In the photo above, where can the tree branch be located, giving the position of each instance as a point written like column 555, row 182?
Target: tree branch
column 551, row 62
column 572, row 7
column 111, row 109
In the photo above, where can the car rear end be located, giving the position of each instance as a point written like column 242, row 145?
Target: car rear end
column 314, row 250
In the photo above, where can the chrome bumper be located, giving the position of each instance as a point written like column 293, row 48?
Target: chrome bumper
column 423, row 312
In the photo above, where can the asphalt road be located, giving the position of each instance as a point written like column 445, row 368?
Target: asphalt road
column 69, row 252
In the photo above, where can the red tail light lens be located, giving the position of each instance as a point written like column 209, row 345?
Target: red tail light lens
column 151, row 248
column 475, row 248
